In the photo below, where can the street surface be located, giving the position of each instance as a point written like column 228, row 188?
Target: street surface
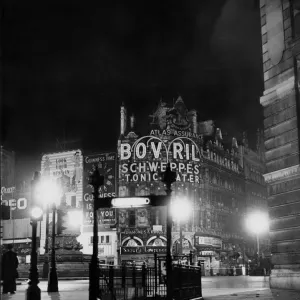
column 213, row 288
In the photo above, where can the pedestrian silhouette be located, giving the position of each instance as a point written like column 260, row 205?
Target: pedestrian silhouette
column 9, row 270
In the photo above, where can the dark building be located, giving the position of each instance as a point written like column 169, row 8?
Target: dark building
column 217, row 176
column 280, row 29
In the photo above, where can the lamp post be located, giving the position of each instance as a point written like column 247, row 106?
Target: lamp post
column 46, row 255
column 52, row 279
column 95, row 180
column 257, row 223
column 181, row 210
column 33, row 292
column 168, row 178
column 49, row 193
column 181, row 238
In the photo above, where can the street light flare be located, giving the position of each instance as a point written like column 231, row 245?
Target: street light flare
column 181, row 209
column 257, row 222
column 75, row 218
column 36, row 212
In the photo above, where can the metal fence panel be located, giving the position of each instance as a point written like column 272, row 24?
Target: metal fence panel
column 135, row 282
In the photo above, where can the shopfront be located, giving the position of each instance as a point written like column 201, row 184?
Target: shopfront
column 208, row 249
column 139, row 246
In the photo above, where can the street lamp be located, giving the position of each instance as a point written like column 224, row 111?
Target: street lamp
column 257, row 223
column 180, row 211
column 95, row 180
column 46, row 259
column 33, row 292
column 168, row 178
column 50, row 196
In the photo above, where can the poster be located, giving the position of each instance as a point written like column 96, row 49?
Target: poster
column 123, row 218
column 142, row 217
column 66, row 168
column 106, row 163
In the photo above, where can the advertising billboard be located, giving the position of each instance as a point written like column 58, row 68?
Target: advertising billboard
column 17, row 201
column 66, row 168
column 106, row 163
column 143, row 159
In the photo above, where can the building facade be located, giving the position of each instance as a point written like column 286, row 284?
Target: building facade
column 16, row 228
column 280, row 28
column 210, row 176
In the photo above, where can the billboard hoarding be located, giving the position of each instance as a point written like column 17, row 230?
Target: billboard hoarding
column 18, row 203
column 106, row 163
column 66, row 168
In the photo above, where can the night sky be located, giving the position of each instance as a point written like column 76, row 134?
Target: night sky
column 68, row 66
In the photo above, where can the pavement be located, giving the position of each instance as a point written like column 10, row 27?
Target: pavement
column 213, row 288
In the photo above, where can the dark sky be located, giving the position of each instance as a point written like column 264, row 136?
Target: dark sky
column 67, row 67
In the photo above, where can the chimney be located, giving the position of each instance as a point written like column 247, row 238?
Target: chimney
column 193, row 114
column 132, row 122
column 123, row 119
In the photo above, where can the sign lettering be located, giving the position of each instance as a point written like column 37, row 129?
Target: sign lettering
column 138, row 159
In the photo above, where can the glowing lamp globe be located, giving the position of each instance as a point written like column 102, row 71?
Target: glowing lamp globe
column 181, row 209
column 49, row 192
column 257, row 222
column 36, row 212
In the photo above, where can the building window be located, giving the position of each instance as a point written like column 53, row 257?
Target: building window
column 103, row 239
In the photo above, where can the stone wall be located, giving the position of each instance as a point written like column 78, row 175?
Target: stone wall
column 281, row 135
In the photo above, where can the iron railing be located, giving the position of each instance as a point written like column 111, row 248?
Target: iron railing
column 141, row 282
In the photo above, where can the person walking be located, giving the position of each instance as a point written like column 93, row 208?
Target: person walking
column 9, row 270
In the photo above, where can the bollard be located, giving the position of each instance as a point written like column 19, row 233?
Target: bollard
column 144, row 280
column 123, row 276
column 155, row 274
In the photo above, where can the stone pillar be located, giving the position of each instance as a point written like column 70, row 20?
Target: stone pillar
column 281, row 136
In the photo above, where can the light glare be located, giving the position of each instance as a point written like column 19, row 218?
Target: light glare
column 49, row 192
column 75, row 218
column 181, row 209
column 36, row 212
column 257, row 222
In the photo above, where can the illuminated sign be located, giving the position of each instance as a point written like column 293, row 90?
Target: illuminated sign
column 207, row 253
column 143, row 160
column 66, row 168
column 174, row 132
column 17, row 202
column 130, row 202
column 143, row 250
column 208, row 241
column 106, row 163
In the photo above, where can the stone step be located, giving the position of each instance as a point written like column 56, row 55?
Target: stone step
column 63, row 270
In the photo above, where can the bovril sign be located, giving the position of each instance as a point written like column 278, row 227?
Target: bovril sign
column 148, row 156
